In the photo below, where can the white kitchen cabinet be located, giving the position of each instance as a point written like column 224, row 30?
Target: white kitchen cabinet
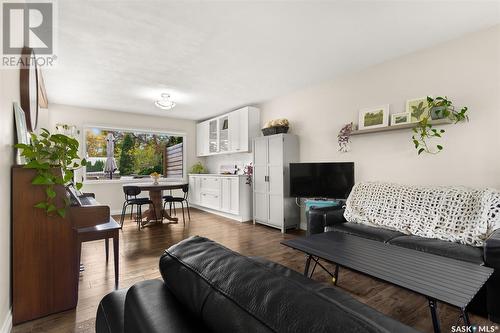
column 272, row 204
column 194, row 190
column 213, row 136
column 202, row 131
column 226, row 195
column 230, row 195
column 228, row 133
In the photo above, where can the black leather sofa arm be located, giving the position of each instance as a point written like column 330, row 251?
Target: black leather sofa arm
column 492, row 250
column 321, row 217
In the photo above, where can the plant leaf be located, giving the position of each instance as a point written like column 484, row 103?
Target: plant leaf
column 61, row 212
column 41, row 205
column 42, row 180
column 51, row 208
column 50, row 192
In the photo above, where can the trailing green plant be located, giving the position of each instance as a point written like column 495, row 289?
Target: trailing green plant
column 46, row 153
column 438, row 108
column 198, row 168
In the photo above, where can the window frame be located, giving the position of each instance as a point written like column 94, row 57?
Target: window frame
column 139, row 130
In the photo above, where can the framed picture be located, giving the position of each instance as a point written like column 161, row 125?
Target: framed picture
column 21, row 131
column 374, row 117
column 400, row 118
column 418, row 108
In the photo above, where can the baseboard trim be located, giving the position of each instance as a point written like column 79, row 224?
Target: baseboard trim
column 237, row 218
column 7, row 322
column 208, row 210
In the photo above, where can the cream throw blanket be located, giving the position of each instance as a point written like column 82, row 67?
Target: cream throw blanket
column 456, row 214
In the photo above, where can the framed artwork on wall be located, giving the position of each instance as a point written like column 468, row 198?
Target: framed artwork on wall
column 400, row 118
column 418, row 108
column 374, row 117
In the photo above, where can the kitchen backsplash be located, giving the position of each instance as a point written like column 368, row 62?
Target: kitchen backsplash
column 214, row 163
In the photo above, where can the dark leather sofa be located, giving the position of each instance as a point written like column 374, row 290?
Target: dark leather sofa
column 208, row 288
column 487, row 302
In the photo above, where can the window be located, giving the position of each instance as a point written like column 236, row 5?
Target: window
column 136, row 153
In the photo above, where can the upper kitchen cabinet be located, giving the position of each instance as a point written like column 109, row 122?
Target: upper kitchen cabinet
column 229, row 133
column 202, row 131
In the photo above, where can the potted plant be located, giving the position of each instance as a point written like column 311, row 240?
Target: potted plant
column 197, row 168
column 438, row 108
column 54, row 158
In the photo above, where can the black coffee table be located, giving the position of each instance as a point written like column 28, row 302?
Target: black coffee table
column 438, row 278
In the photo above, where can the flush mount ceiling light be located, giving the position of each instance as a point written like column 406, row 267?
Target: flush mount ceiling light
column 165, row 103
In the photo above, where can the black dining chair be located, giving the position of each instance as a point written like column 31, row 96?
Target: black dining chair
column 171, row 200
column 131, row 199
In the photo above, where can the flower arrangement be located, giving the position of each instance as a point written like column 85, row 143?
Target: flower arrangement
column 156, row 177
column 276, row 126
column 248, row 171
column 344, row 137
column 283, row 122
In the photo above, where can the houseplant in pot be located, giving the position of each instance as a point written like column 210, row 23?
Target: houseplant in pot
column 198, row 168
column 54, row 157
column 439, row 108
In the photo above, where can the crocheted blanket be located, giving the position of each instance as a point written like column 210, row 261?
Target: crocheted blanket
column 456, row 214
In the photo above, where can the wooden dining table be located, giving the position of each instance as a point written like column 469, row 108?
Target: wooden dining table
column 156, row 195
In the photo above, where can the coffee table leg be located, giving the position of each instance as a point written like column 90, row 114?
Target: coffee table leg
column 435, row 320
column 314, row 267
column 308, row 262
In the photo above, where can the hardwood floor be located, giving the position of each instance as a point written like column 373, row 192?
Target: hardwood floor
column 140, row 251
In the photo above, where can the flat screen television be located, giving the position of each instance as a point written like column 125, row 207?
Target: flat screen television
column 332, row 180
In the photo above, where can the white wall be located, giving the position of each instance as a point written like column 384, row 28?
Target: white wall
column 467, row 70
column 213, row 163
column 9, row 93
column 111, row 193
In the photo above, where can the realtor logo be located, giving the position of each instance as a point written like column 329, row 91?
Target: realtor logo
column 27, row 24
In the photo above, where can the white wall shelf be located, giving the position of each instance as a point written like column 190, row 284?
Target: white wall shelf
column 399, row 127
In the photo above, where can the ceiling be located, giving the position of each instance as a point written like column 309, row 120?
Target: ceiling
column 214, row 57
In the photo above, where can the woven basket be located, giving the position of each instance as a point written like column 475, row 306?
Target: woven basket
column 274, row 130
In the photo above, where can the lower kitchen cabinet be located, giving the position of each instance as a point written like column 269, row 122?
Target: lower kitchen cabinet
column 226, row 195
